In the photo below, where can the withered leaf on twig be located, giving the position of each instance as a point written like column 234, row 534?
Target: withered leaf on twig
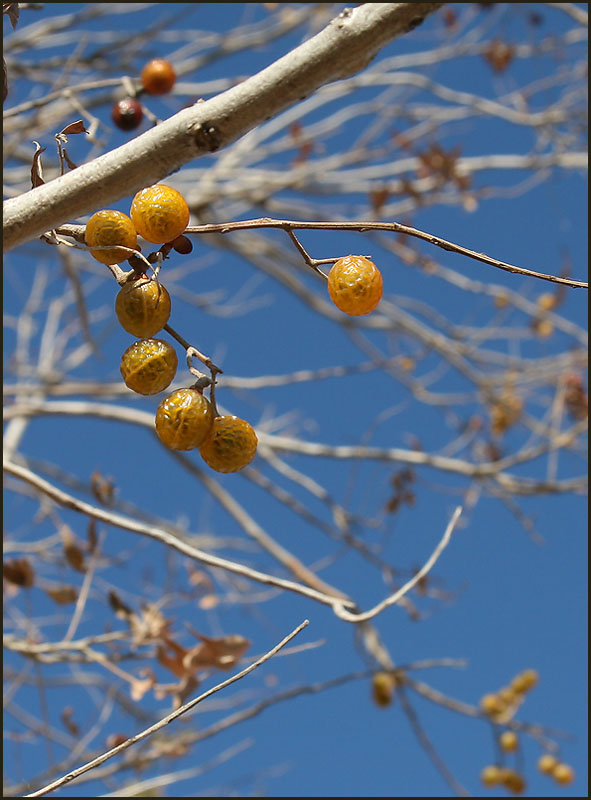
column 102, row 488
column 62, row 595
column 222, row 653
column 73, row 127
column 36, row 169
column 19, row 572
column 74, row 554
column 69, row 724
column 12, row 10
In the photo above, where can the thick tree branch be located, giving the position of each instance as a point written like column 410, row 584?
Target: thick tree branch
column 343, row 48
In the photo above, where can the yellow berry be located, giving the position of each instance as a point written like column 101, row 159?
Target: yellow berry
column 230, row 446
column 355, row 285
column 148, row 366
column 525, row 681
column 159, row 213
column 183, row 419
column 513, row 781
column 507, row 696
column 110, row 228
column 563, row 774
column 143, row 307
column 383, row 684
column 509, row 741
column 546, row 763
column 491, row 704
column 491, row 775
column 547, row 301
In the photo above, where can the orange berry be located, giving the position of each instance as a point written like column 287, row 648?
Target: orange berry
column 509, row 741
column 525, row 681
column 158, row 76
column 563, row 774
column 110, row 228
column 143, row 307
column 230, row 446
column 546, row 763
column 148, row 366
column 183, row 419
column 491, row 775
column 160, row 213
column 383, row 685
column 355, row 285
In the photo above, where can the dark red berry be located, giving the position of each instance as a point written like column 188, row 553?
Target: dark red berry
column 182, row 245
column 127, row 114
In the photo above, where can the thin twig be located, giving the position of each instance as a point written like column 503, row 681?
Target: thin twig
column 165, row 721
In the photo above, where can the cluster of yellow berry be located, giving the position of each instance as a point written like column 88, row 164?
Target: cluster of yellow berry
column 185, row 419
column 500, row 707
column 514, row 782
column 504, row 703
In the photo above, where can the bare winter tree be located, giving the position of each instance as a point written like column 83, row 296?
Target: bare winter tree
column 114, row 545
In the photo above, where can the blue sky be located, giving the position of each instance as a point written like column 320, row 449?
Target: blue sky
column 512, row 599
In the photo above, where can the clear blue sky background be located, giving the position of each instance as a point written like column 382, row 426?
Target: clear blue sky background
column 515, row 603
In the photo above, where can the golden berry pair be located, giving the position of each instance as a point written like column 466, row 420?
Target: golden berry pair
column 158, row 213
column 185, row 420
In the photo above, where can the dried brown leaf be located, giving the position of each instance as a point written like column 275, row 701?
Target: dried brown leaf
column 12, row 10
column 36, row 169
column 68, row 160
column 222, row 653
column 69, row 724
column 62, row 595
column 102, row 488
column 19, row 572
column 92, row 538
column 73, row 127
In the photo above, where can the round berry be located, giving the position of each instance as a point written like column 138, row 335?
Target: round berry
column 183, row 419
column 491, row 704
column 110, row 228
column 546, row 763
column 491, row 775
column 355, row 285
column 525, row 681
column 160, row 213
column 143, row 307
column 513, row 781
column 563, row 774
column 158, row 76
column 509, row 741
column 383, row 688
column 127, row 114
column 149, row 366
column 230, row 446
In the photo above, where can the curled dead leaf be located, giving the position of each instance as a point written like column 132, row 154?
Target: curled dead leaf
column 18, row 572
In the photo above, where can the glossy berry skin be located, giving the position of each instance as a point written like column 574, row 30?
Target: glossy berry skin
column 110, row 228
column 148, row 366
column 183, row 419
column 355, row 285
column 143, row 307
column 158, row 76
column 230, row 446
column 160, row 213
column 127, row 114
